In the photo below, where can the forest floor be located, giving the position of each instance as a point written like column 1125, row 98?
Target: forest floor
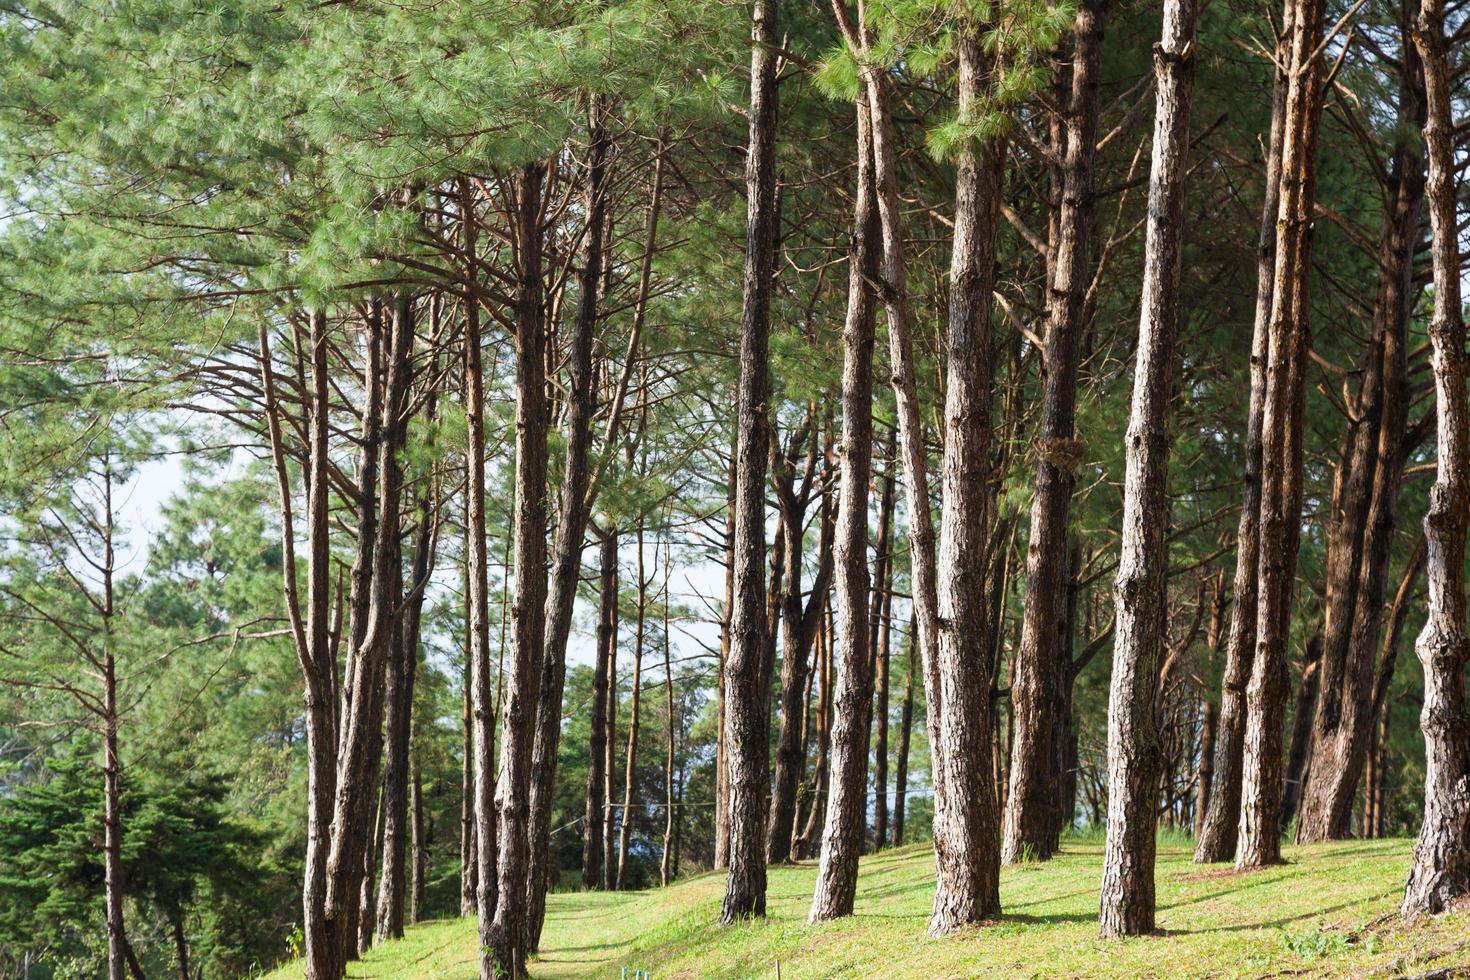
column 1330, row 911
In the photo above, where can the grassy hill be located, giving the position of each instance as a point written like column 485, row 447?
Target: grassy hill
column 1329, row 912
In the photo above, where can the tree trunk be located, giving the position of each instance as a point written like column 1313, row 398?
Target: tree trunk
column 571, row 528
column 402, row 673
column 367, row 917
column 1440, row 873
column 607, row 766
column 504, row 947
column 745, row 722
column 593, row 829
column 477, row 598
column 806, row 843
column 905, row 729
column 1362, row 527
column 967, row 815
column 1281, row 447
column 842, row 834
column 630, row 762
column 1140, row 594
column 1300, row 758
column 722, row 772
column 360, row 736
column 1219, row 831
column 798, row 629
column 419, row 843
column 112, row 830
column 666, row 866
column 880, row 629
column 1038, row 671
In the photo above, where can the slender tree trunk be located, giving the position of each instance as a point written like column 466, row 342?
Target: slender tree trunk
column 1363, row 527
column 905, row 729
column 571, row 528
column 1281, row 447
column 1219, row 830
column 312, row 638
column 504, row 947
column 608, row 766
column 112, row 829
column 1299, row 754
column 745, row 722
column 477, row 598
column 402, row 674
column 607, row 632
column 419, row 843
column 1440, row 873
column 1140, row 594
column 630, row 762
column 798, row 629
column 468, row 880
column 367, row 902
column 842, row 835
column 805, row 842
column 722, row 772
column 360, row 737
column 880, row 627
column 1039, row 671
column 667, row 868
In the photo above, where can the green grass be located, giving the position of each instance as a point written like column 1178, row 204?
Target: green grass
column 1329, row 912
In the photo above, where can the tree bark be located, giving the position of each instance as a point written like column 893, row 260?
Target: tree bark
column 1038, row 670
column 571, row 528
column 967, row 815
column 360, row 736
column 1363, row 516
column 593, row 829
column 1440, row 873
column 1140, row 594
column 842, row 835
column 630, row 762
column 1299, row 753
column 477, row 598
column 1281, row 447
column 1219, row 831
column 745, row 722
column 505, row 946
column 419, row 843
column 798, row 629
column 667, row 867
column 402, row 673
column 905, row 728
column 880, row 629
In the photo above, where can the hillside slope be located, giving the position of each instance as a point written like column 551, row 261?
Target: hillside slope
column 1330, row 912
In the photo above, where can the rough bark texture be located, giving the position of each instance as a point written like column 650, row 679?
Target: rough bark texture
column 1141, row 590
column 798, row 630
column 571, row 528
column 360, row 736
column 1440, row 873
column 842, row 836
column 419, row 842
column 1365, row 495
column 635, row 703
column 905, row 729
column 506, row 949
column 880, row 629
column 1281, row 446
column 967, row 816
column 593, row 827
column 402, row 673
column 1038, row 671
column 1299, row 747
column 482, row 703
column 1220, row 827
column 745, row 722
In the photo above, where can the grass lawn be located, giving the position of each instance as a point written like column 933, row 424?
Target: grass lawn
column 1331, row 911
